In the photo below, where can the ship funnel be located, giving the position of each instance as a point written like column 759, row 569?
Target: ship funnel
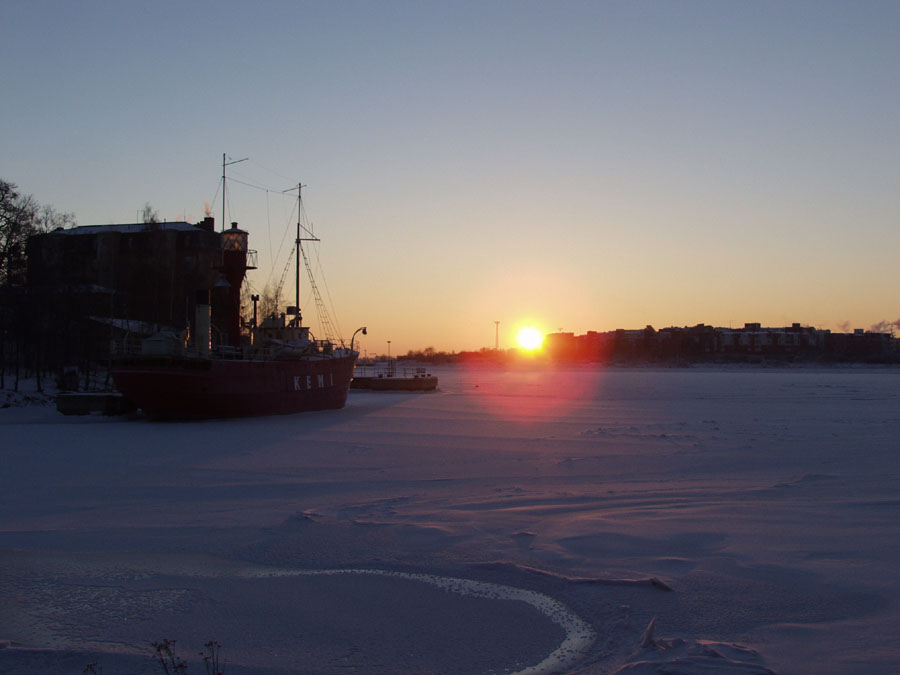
column 201, row 324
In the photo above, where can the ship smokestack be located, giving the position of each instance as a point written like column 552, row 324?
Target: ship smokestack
column 201, row 324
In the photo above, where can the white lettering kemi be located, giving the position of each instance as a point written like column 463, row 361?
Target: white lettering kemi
column 299, row 382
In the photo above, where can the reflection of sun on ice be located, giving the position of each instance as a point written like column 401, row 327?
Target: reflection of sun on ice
column 529, row 338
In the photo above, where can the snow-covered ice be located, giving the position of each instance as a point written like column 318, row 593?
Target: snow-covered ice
column 624, row 520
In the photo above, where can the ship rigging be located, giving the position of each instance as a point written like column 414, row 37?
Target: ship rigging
column 277, row 368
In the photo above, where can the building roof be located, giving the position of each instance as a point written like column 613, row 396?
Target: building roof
column 134, row 228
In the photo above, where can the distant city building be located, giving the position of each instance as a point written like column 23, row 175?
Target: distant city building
column 753, row 342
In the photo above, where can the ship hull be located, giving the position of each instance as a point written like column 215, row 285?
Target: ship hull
column 205, row 388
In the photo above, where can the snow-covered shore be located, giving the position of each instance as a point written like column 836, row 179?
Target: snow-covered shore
column 513, row 521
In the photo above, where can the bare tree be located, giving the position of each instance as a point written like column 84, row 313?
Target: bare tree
column 268, row 301
column 149, row 214
column 20, row 217
column 48, row 219
column 22, row 340
column 17, row 222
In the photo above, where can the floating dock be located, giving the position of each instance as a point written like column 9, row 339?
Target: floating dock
column 86, row 403
column 389, row 379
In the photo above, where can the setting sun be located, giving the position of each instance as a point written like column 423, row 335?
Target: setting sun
column 529, row 338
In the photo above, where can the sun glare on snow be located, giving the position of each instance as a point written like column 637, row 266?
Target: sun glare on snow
column 529, row 338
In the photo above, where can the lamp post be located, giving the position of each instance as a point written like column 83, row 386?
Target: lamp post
column 255, row 299
column 363, row 329
column 497, row 336
column 390, row 368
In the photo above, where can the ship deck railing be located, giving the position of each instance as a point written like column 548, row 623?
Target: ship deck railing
column 131, row 347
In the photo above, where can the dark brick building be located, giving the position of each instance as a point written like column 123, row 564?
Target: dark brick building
column 87, row 285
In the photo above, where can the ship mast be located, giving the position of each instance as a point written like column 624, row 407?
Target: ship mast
column 297, row 259
column 299, row 252
column 224, row 164
column 301, row 230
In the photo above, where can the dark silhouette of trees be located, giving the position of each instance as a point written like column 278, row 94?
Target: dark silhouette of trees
column 49, row 219
column 17, row 216
column 20, row 217
column 21, row 340
column 149, row 214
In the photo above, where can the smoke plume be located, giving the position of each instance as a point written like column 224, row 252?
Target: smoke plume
column 885, row 326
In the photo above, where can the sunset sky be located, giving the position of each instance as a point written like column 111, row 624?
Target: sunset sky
column 575, row 165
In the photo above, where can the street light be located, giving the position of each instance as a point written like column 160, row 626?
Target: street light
column 363, row 329
column 390, row 365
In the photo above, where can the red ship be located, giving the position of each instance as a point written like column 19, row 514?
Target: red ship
column 173, row 387
column 276, row 369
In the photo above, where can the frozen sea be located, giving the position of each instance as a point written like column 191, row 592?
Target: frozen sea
column 695, row 520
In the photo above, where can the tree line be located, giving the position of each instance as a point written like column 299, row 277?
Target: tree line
column 21, row 216
column 21, row 339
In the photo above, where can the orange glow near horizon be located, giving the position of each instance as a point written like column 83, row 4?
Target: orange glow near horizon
column 526, row 388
